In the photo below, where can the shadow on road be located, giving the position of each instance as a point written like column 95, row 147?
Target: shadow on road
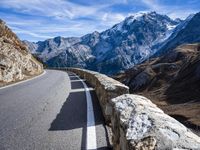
column 73, row 113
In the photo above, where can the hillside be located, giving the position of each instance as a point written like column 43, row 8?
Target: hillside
column 16, row 62
column 171, row 81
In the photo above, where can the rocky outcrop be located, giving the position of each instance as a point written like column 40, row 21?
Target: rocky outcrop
column 16, row 63
column 139, row 124
column 136, row 122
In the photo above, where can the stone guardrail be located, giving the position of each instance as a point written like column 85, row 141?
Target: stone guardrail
column 106, row 88
column 137, row 123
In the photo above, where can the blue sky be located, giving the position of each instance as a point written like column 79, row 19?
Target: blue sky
column 36, row 20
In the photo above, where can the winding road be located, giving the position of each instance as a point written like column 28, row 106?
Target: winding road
column 55, row 111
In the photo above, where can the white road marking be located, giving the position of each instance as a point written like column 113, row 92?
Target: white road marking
column 77, row 80
column 91, row 142
column 7, row 86
column 80, row 90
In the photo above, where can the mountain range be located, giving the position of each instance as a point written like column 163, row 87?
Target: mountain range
column 121, row 47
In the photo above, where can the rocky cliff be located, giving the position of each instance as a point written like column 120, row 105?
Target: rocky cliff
column 16, row 62
column 171, row 81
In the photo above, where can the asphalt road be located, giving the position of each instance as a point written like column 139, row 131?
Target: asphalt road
column 48, row 113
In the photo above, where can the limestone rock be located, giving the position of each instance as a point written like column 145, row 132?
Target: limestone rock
column 16, row 63
column 145, row 126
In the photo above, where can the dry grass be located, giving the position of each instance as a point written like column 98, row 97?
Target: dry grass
column 174, row 83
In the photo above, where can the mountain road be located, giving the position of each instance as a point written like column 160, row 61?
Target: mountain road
column 51, row 112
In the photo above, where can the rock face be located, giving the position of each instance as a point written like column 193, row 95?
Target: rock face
column 121, row 47
column 171, row 81
column 139, row 124
column 16, row 63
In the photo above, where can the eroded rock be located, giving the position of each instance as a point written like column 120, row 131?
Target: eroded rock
column 146, row 127
column 16, row 63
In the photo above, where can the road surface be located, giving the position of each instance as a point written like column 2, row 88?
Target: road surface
column 49, row 113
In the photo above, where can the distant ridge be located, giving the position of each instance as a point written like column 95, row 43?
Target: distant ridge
column 121, row 47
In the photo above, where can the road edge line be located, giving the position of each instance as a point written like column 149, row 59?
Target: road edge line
column 91, row 142
column 23, row 81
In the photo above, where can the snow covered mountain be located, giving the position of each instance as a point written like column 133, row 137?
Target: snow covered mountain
column 187, row 32
column 128, row 43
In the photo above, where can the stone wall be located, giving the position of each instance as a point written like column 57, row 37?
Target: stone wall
column 106, row 88
column 137, row 123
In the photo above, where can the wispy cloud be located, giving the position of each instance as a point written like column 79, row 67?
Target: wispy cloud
column 47, row 17
column 40, row 19
column 112, row 18
column 152, row 4
column 21, row 31
column 55, row 8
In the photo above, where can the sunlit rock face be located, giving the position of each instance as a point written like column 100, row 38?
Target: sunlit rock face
column 16, row 63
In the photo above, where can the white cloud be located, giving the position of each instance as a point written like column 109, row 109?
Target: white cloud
column 105, row 17
column 63, row 17
column 152, row 4
column 21, row 31
column 112, row 18
column 51, row 18
column 55, row 8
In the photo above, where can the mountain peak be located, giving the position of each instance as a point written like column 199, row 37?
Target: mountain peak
column 95, row 32
column 178, row 20
column 142, row 18
column 127, row 43
column 147, row 16
column 142, row 14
